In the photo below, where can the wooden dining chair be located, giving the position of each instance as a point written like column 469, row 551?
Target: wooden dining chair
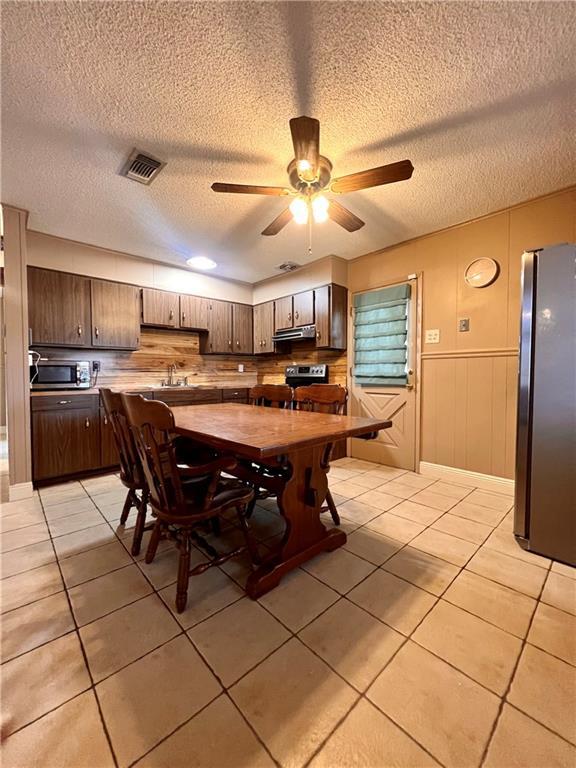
column 272, row 395
column 323, row 398
column 183, row 497
column 131, row 472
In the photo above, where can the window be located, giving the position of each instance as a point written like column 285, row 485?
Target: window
column 381, row 337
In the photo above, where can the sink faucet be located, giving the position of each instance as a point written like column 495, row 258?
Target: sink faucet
column 171, row 374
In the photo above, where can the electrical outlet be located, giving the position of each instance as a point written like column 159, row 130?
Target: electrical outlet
column 432, row 336
column 464, row 324
column 240, row 367
column 95, row 366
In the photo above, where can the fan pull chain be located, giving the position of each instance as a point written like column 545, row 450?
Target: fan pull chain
column 310, row 232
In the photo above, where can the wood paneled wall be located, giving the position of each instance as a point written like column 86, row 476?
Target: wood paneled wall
column 468, row 380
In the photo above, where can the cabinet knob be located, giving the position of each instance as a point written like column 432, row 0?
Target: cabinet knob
column 229, row 342
column 318, row 335
column 87, row 423
column 64, row 402
column 79, row 330
column 289, row 315
column 96, row 332
column 183, row 316
column 296, row 315
column 105, row 420
column 237, row 343
column 171, row 314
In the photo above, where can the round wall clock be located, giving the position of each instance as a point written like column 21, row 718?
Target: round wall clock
column 481, row 272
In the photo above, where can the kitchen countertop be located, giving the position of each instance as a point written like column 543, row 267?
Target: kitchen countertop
column 150, row 388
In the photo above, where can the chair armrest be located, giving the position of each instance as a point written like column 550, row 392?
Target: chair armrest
column 221, row 464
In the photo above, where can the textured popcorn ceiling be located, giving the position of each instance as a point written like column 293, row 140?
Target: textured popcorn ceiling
column 480, row 96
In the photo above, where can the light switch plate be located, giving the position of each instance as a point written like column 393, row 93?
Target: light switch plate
column 432, row 336
column 464, row 324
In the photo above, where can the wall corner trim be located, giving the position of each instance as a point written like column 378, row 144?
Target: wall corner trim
column 491, row 483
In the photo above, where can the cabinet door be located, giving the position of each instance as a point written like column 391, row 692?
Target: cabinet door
column 115, row 315
column 263, row 328
column 242, row 329
column 194, row 312
column 160, row 308
column 219, row 327
column 58, row 308
column 108, row 452
column 322, row 300
column 283, row 312
column 65, row 442
column 304, row 308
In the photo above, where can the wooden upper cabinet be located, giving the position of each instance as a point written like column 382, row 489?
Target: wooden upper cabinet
column 263, row 328
column 160, row 308
column 303, row 308
column 58, row 308
column 283, row 313
column 219, row 327
column 331, row 316
column 115, row 315
column 242, row 329
column 194, row 312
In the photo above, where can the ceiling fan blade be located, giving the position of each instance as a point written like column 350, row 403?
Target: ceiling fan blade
column 384, row 174
column 306, row 139
column 249, row 189
column 279, row 223
column 344, row 217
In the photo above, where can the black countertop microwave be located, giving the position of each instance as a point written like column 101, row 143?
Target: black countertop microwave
column 60, row 374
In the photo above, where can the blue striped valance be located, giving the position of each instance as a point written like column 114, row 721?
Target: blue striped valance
column 381, row 336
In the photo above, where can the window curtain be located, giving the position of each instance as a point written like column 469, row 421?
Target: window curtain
column 381, row 337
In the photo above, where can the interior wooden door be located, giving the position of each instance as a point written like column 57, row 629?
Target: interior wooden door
column 58, row 308
column 242, row 329
column 304, row 308
column 396, row 446
column 219, row 327
column 283, row 312
column 115, row 315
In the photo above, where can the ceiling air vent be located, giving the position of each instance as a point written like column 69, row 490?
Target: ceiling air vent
column 288, row 266
column 142, row 168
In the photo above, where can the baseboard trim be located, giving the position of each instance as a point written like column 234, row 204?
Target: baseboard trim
column 465, row 477
column 20, row 491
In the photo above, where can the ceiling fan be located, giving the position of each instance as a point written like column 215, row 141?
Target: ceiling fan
column 310, row 175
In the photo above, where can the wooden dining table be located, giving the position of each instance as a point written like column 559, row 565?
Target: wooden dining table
column 294, row 447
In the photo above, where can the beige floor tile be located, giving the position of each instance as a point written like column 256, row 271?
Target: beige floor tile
column 482, row 651
column 340, row 569
column 469, row 530
column 508, row 522
column 41, row 680
column 24, row 537
column 352, row 642
column 348, row 489
column 61, row 494
column 361, row 465
column 218, row 737
column 368, row 481
column 493, row 602
column 477, row 513
column 368, row 739
column 239, row 568
column 293, row 713
column 207, row 593
column 74, row 506
column 372, row 546
column 147, row 700
column 30, row 586
column 508, row 571
column 393, row 601
column 107, row 498
column 386, row 473
column 98, row 485
column 337, row 474
column 163, row 570
column 35, row 624
column 442, row 545
column 442, row 709
column 379, row 500
column 298, row 599
column 73, row 543
column 105, row 594
column 435, row 500
column 560, row 592
column 20, row 507
column 554, row 631
column 519, row 742
column 51, row 743
column 501, row 502
column 395, row 527
column 418, row 513
column 357, row 511
column 417, row 481
column 264, row 523
column 505, row 542
column 452, row 490
column 564, row 570
column 236, row 639
column 400, row 489
column 21, row 519
column 543, row 687
column 72, row 523
column 27, row 558
column 423, row 570
column 123, row 636
column 94, row 563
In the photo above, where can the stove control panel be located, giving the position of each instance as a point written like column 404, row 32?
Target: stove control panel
column 317, row 371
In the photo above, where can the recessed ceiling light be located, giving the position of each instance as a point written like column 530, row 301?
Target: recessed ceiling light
column 201, row 262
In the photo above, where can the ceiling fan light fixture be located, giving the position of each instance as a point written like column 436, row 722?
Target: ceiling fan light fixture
column 299, row 210
column 201, row 262
column 320, row 205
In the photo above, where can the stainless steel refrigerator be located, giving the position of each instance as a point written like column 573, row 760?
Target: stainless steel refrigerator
column 545, row 503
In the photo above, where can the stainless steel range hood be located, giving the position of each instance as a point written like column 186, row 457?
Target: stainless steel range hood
column 294, row 334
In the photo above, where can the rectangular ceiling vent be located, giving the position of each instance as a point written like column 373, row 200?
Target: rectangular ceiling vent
column 142, row 168
column 288, row 266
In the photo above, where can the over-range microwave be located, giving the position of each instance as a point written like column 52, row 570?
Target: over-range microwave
column 60, row 374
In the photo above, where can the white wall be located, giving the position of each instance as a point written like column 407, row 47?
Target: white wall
column 331, row 269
